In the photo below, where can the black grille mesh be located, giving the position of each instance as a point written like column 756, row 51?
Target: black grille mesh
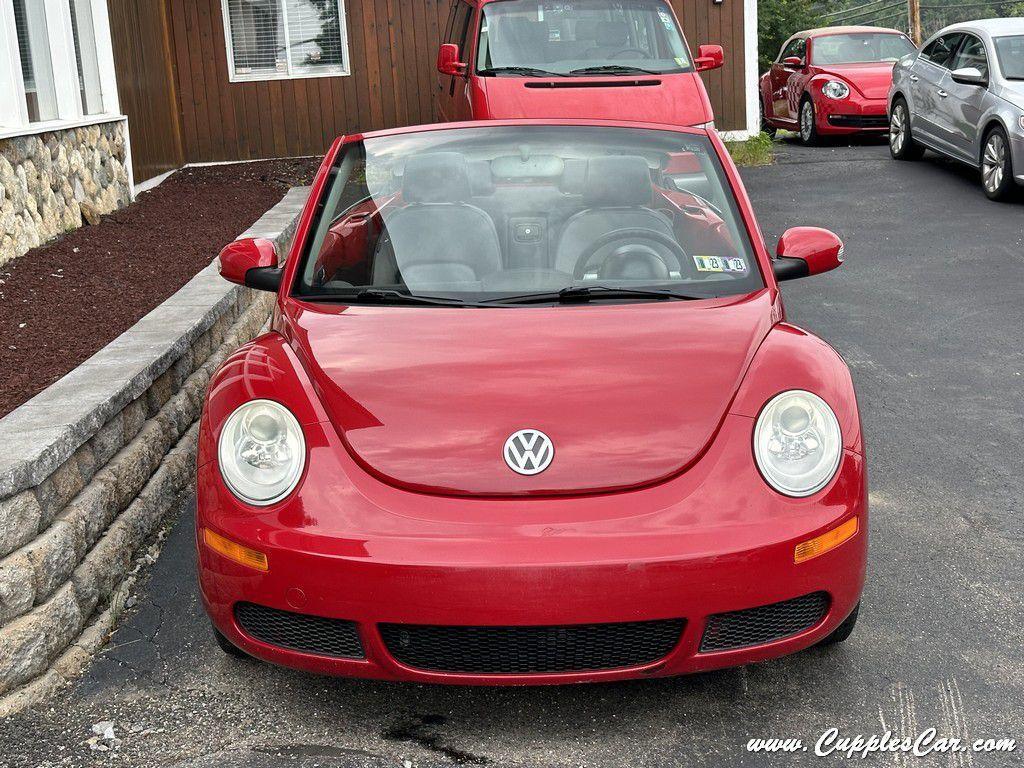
column 531, row 650
column 299, row 632
column 757, row 626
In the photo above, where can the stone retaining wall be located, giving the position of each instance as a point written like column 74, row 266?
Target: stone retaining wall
column 50, row 181
column 91, row 466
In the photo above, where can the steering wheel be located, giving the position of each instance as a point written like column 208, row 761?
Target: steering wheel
column 619, row 54
column 630, row 237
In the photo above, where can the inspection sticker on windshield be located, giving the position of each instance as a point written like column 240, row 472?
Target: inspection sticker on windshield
column 718, row 264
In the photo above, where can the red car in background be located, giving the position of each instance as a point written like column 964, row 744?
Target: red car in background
column 529, row 412
column 832, row 81
column 599, row 59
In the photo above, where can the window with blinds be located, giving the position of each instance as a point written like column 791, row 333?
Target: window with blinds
column 269, row 39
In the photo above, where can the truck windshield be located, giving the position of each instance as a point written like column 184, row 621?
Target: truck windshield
column 580, row 38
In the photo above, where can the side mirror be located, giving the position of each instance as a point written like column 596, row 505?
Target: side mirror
column 805, row 251
column 448, row 61
column 252, row 263
column 968, row 76
column 709, row 57
column 793, row 62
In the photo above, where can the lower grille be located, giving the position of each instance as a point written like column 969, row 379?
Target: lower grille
column 757, row 626
column 298, row 632
column 531, row 650
column 859, row 121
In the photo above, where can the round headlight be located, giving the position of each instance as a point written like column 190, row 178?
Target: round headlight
column 797, row 443
column 262, row 452
column 836, row 89
column 1020, row 122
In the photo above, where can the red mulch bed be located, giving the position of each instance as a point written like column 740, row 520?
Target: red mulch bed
column 63, row 302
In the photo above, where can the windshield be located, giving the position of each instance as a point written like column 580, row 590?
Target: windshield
column 485, row 214
column 1010, row 51
column 861, row 48
column 567, row 37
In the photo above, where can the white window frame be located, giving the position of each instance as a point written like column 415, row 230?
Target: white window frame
column 249, row 77
column 70, row 112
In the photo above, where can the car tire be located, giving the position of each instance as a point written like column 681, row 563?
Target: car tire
column 901, row 141
column 808, row 126
column 227, row 646
column 844, row 630
column 766, row 127
column 997, row 166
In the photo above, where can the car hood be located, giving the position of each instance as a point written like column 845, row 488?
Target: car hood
column 1013, row 92
column 425, row 398
column 871, row 80
column 678, row 99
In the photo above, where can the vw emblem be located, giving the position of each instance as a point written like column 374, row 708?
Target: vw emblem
column 529, row 452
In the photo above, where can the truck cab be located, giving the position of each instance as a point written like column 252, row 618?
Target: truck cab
column 598, row 59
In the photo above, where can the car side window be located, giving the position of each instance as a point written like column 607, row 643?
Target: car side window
column 972, row 54
column 942, row 49
column 462, row 13
column 796, row 47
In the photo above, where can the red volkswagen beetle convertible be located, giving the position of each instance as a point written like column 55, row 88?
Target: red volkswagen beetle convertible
column 832, row 81
column 530, row 412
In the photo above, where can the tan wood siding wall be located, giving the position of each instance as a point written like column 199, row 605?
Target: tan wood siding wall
column 392, row 48
column 141, row 37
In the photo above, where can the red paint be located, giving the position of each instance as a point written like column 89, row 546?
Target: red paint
column 821, row 249
column 787, row 83
column 653, row 509
column 677, row 99
column 238, row 257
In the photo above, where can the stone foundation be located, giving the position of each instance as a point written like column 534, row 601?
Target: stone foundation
column 50, row 182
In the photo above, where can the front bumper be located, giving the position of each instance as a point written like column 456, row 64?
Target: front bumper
column 713, row 540
column 852, row 115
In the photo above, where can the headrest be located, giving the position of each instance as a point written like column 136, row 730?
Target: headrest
column 610, row 33
column 439, row 177
column 614, row 182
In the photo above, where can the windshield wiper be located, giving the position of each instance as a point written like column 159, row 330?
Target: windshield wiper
column 584, row 293
column 526, row 71
column 614, row 69
column 388, row 296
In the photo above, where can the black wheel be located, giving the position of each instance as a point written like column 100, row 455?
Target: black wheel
column 227, row 646
column 901, row 141
column 766, row 127
column 997, row 166
column 844, row 630
column 809, row 136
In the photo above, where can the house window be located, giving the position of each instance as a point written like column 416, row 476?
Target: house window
column 271, row 39
column 86, row 59
column 36, row 68
column 56, row 64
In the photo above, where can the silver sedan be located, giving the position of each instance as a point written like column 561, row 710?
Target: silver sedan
column 962, row 95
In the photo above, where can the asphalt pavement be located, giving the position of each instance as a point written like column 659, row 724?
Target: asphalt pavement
column 928, row 312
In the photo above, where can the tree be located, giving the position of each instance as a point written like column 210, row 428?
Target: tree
column 777, row 20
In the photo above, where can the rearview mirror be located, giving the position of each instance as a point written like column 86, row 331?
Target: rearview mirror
column 709, row 57
column 448, row 61
column 968, row 76
column 805, row 251
column 792, row 62
column 252, row 263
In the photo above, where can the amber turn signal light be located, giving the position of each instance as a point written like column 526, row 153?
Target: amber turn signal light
column 235, row 552
column 826, row 542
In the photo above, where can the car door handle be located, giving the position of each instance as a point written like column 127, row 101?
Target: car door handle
column 914, row 78
column 942, row 93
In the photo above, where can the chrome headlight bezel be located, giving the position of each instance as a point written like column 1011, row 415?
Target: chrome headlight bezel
column 822, row 427
column 242, row 477
column 836, row 90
